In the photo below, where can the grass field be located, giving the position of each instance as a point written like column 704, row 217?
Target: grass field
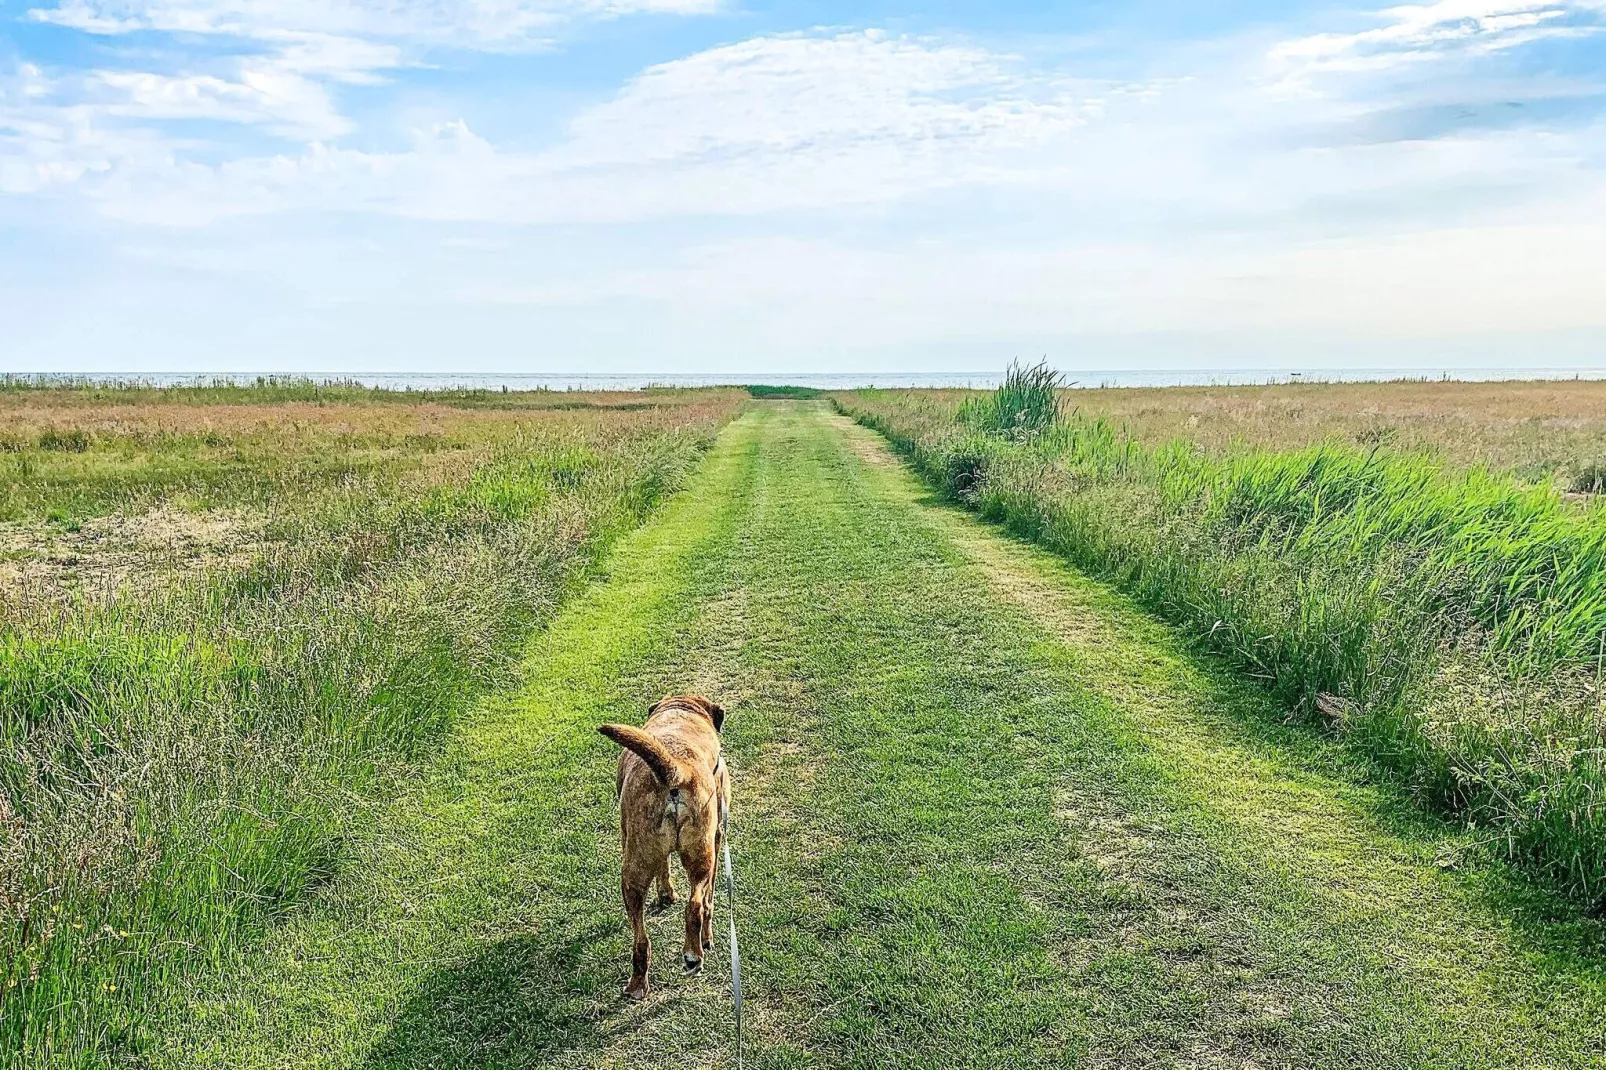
column 230, row 616
column 1541, row 431
column 989, row 811
column 1429, row 590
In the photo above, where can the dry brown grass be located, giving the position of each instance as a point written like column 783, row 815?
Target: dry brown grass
column 131, row 489
column 27, row 417
column 70, row 455
column 1537, row 429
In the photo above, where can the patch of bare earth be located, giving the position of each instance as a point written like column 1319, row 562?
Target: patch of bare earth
column 115, row 552
column 864, row 444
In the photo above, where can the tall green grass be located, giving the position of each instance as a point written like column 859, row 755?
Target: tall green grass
column 179, row 764
column 784, row 393
column 1451, row 623
column 1025, row 404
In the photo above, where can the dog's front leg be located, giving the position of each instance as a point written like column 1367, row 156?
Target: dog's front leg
column 635, row 886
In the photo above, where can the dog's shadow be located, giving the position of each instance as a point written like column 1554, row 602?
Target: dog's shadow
column 518, row 1002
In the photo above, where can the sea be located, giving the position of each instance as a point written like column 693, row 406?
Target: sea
column 1083, row 378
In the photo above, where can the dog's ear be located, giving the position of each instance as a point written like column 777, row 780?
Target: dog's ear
column 656, row 706
column 716, row 713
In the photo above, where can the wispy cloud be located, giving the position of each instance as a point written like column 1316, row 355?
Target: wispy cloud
column 1419, row 33
column 478, row 24
column 285, row 90
column 791, row 121
column 271, row 67
column 780, row 122
column 828, row 94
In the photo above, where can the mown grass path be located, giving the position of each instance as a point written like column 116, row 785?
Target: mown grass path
column 987, row 814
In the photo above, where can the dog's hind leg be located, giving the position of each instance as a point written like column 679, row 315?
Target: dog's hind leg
column 713, row 892
column 699, row 863
column 635, row 884
column 708, row 918
column 666, row 889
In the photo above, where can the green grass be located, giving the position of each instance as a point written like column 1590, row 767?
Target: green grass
column 783, row 393
column 1450, row 623
column 180, row 757
column 1023, row 406
column 202, row 471
column 987, row 813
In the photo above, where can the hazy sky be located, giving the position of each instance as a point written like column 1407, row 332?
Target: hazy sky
column 721, row 185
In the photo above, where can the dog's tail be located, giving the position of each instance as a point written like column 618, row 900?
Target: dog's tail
column 664, row 765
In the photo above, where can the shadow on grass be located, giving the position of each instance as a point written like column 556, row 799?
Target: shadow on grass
column 517, row 1003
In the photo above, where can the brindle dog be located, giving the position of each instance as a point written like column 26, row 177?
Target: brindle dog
column 673, row 789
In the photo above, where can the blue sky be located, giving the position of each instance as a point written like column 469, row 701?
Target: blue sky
column 730, row 185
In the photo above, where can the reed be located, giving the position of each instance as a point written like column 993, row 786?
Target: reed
column 1025, row 404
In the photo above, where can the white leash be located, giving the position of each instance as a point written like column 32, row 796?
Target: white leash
column 736, row 953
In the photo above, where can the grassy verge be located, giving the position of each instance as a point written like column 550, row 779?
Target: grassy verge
column 179, row 756
column 1450, row 623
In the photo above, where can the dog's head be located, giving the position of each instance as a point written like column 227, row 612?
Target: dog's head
column 712, row 710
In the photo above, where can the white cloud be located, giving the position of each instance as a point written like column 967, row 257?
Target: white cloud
column 789, row 122
column 342, row 59
column 481, row 24
column 75, row 128
column 1420, row 32
column 286, row 58
column 285, row 102
column 793, row 121
column 283, row 90
column 45, row 145
column 799, row 92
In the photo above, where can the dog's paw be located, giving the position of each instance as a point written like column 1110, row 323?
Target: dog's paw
column 635, row 993
column 694, row 964
column 708, row 945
